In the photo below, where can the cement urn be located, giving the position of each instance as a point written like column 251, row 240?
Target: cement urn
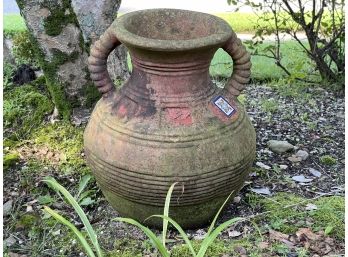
column 168, row 122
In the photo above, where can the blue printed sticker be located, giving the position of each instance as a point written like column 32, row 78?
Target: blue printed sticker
column 224, row 106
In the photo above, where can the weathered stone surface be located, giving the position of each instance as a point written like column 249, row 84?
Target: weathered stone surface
column 279, row 146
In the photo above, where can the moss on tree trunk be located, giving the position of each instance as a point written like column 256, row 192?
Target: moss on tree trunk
column 61, row 52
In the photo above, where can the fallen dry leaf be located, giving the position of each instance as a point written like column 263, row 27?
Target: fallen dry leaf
column 316, row 242
column 263, row 245
column 278, row 236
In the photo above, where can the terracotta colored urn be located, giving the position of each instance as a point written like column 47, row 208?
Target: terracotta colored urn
column 169, row 122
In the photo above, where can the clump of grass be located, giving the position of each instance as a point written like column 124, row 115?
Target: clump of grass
column 90, row 250
column 10, row 160
column 269, row 105
column 280, row 218
column 329, row 215
column 328, row 160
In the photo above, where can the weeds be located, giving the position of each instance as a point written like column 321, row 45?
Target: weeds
column 159, row 244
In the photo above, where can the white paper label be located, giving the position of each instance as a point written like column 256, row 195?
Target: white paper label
column 224, row 106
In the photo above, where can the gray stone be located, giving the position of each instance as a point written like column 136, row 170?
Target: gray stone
column 7, row 207
column 301, row 178
column 263, row 166
column 261, row 191
column 279, row 146
column 10, row 241
column 302, row 154
column 315, row 172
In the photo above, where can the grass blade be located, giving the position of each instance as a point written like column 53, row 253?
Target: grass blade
column 166, row 213
column 155, row 241
column 217, row 214
column 180, row 230
column 210, row 238
column 53, row 183
column 83, row 183
column 78, row 234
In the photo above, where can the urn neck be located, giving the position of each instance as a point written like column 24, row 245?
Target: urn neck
column 170, row 79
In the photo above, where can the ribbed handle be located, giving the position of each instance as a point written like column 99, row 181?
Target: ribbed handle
column 97, row 61
column 241, row 65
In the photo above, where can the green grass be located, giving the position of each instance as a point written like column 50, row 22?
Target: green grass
column 13, row 23
column 264, row 68
column 242, row 22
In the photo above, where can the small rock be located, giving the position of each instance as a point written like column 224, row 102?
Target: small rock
column 294, row 158
column 310, row 207
column 55, row 233
column 7, row 207
column 283, row 167
column 302, row 154
column 234, row 233
column 10, row 241
column 199, row 235
column 240, row 250
column 237, row 199
column 263, row 166
column 279, row 146
column 29, row 208
column 261, row 191
column 301, row 178
column 315, row 172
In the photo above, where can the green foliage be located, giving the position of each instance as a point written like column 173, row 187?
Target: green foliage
column 210, row 236
column 8, row 70
column 10, row 160
column 24, row 109
column 269, row 105
column 71, row 226
column 324, row 29
column 328, row 160
column 91, row 233
column 23, row 50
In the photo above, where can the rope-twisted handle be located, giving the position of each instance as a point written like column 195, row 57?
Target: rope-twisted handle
column 97, row 61
column 241, row 65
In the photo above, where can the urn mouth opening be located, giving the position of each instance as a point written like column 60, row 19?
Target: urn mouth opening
column 171, row 29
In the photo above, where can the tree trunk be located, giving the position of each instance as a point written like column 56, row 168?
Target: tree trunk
column 62, row 44
column 94, row 23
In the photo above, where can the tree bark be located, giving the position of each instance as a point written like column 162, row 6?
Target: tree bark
column 61, row 40
column 94, row 22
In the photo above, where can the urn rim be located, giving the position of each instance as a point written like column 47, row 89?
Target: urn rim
column 133, row 30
